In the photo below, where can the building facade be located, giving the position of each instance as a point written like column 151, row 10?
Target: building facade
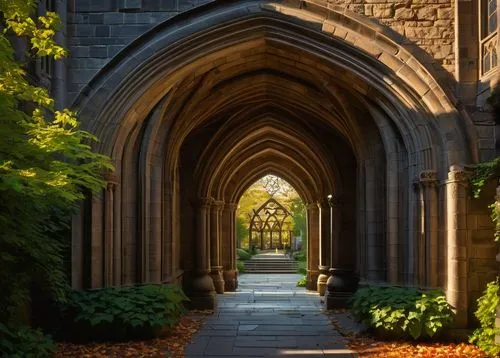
column 381, row 104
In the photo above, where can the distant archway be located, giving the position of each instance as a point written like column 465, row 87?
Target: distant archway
column 269, row 228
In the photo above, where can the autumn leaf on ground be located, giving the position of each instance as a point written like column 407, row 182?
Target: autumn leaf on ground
column 170, row 344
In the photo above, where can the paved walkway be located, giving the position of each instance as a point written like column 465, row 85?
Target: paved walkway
column 268, row 317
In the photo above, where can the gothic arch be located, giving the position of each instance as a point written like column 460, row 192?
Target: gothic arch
column 202, row 104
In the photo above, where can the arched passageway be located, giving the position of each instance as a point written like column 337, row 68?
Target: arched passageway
column 206, row 103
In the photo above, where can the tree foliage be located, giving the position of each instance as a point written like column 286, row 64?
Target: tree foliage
column 484, row 337
column 46, row 163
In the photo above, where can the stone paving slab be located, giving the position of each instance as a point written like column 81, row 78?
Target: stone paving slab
column 268, row 317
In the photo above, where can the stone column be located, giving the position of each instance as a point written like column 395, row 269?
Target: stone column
column 456, row 207
column 232, row 241
column 428, row 187
column 215, row 261
column 202, row 293
column 117, row 237
column 109, row 231
column 324, row 246
column 229, row 247
column 393, row 221
column 313, row 234
column 97, row 237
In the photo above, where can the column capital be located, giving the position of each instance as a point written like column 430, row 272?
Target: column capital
column 428, row 177
column 205, row 202
column 323, row 204
column 111, row 180
column 458, row 174
column 218, row 204
column 230, row 206
column 312, row 206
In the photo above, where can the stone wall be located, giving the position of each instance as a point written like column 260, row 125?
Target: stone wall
column 98, row 30
column 481, row 247
column 427, row 23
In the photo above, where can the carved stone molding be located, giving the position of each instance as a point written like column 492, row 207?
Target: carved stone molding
column 218, row 205
column 230, row 206
column 428, row 177
column 111, row 180
column 312, row 206
column 205, row 202
column 458, row 174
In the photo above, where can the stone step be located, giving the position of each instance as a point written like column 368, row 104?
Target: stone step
column 273, row 266
column 260, row 271
column 270, row 264
column 271, row 260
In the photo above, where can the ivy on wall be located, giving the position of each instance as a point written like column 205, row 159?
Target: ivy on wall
column 483, row 173
column 484, row 336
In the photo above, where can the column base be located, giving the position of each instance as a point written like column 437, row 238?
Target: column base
column 230, row 280
column 201, row 292
column 337, row 300
column 322, row 278
column 216, row 275
column 312, row 280
column 341, row 285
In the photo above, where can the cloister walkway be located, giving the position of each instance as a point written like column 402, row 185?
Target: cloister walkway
column 268, row 316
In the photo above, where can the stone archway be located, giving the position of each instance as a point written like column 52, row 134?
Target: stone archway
column 209, row 101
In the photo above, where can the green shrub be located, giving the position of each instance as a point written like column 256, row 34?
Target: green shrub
column 400, row 312
column 253, row 250
column 122, row 313
column 484, row 337
column 25, row 342
column 240, row 265
column 302, row 282
column 302, row 267
column 243, row 255
column 299, row 256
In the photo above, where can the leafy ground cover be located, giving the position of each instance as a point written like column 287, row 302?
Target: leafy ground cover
column 302, row 282
column 121, row 314
column 171, row 342
column 402, row 312
column 367, row 345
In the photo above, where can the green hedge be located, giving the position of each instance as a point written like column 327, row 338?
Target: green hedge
column 25, row 342
column 122, row 313
column 240, row 266
column 400, row 312
column 243, row 255
column 302, row 267
column 299, row 256
column 484, row 337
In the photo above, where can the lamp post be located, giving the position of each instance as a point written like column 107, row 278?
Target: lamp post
column 330, row 204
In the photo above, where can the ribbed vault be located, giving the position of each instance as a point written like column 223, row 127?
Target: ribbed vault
column 203, row 105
